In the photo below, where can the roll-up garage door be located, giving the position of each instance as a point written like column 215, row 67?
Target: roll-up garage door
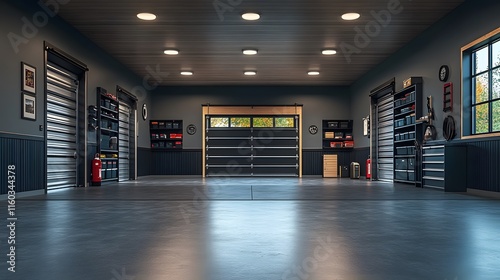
column 62, row 88
column 124, row 142
column 267, row 146
column 385, row 138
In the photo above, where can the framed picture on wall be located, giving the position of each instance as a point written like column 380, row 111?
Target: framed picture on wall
column 28, row 106
column 28, row 78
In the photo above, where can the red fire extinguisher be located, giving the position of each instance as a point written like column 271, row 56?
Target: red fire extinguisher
column 96, row 171
column 368, row 168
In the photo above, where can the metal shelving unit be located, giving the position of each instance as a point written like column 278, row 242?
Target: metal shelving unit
column 407, row 133
column 107, row 133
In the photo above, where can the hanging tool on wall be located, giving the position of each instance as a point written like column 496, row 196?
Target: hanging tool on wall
column 449, row 131
column 430, row 131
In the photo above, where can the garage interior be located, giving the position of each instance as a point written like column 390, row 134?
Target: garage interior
column 298, row 144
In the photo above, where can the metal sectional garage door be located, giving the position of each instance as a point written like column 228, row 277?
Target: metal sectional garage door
column 252, row 146
column 62, row 135
column 124, row 142
column 385, row 138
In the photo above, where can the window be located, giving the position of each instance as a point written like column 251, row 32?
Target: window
column 263, row 122
column 240, row 122
column 219, row 122
column 247, row 122
column 481, row 86
column 285, row 122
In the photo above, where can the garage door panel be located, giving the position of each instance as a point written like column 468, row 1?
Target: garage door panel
column 61, row 145
column 251, row 152
column 385, row 138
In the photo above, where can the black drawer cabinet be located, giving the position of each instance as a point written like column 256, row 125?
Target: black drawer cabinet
column 444, row 167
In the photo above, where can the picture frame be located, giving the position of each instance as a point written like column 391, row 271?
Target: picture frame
column 28, row 78
column 28, row 105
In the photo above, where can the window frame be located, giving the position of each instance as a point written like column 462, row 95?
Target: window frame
column 468, row 85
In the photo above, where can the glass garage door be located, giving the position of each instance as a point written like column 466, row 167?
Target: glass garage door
column 252, row 146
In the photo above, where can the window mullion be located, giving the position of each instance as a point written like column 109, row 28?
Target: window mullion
column 490, row 87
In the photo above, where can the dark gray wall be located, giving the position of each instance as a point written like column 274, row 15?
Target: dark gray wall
column 438, row 45
column 184, row 103
column 104, row 71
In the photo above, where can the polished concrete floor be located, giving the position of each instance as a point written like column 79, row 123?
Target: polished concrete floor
column 188, row 228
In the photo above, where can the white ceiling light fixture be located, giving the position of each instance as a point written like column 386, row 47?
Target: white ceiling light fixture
column 171, row 52
column 313, row 73
column 250, row 73
column 250, row 52
column 250, row 16
column 187, row 73
column 146, row 16
column 350, row 16
column 328, row 52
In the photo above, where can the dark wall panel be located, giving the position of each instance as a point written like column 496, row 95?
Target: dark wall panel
column 483, row 165
column 143, row 161
column 105, row 71
column 27, row 155
column 360, row 155
column 184, row 102
column 440, row 44
column 185, row 162
column 312, row 160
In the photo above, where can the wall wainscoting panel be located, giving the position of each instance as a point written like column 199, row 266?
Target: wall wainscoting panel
column 312, row 160
column 143, row 161
column 183, row 162
column 27, row 155
column 360, row 155
column 483, row 163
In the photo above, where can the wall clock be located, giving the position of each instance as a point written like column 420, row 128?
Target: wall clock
column 191, row 129
column 444, row 72
column 313, row 129
column 144, row 111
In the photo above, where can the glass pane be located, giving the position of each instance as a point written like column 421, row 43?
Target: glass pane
column 482, row 89
column 240, row 122
column 262, row 122
column 219, row 122
column 481, row 118
column 496, row 116
column 496, row 54
column 481, row 60
column 496, row 83
column 285, row 122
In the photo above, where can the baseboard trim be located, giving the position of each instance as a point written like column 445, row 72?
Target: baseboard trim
column 486, row 194
column 23, row 194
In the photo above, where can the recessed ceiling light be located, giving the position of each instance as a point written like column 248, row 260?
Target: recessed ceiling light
column 186, row 73
column 350, row 16
column 250, row 16
column 249, row 52
column 146, row 16
column 328, row 52
column 313, row 73
column 171, row 52
column 250, row 73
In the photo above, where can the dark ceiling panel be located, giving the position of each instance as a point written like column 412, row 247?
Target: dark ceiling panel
column 289, row 36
